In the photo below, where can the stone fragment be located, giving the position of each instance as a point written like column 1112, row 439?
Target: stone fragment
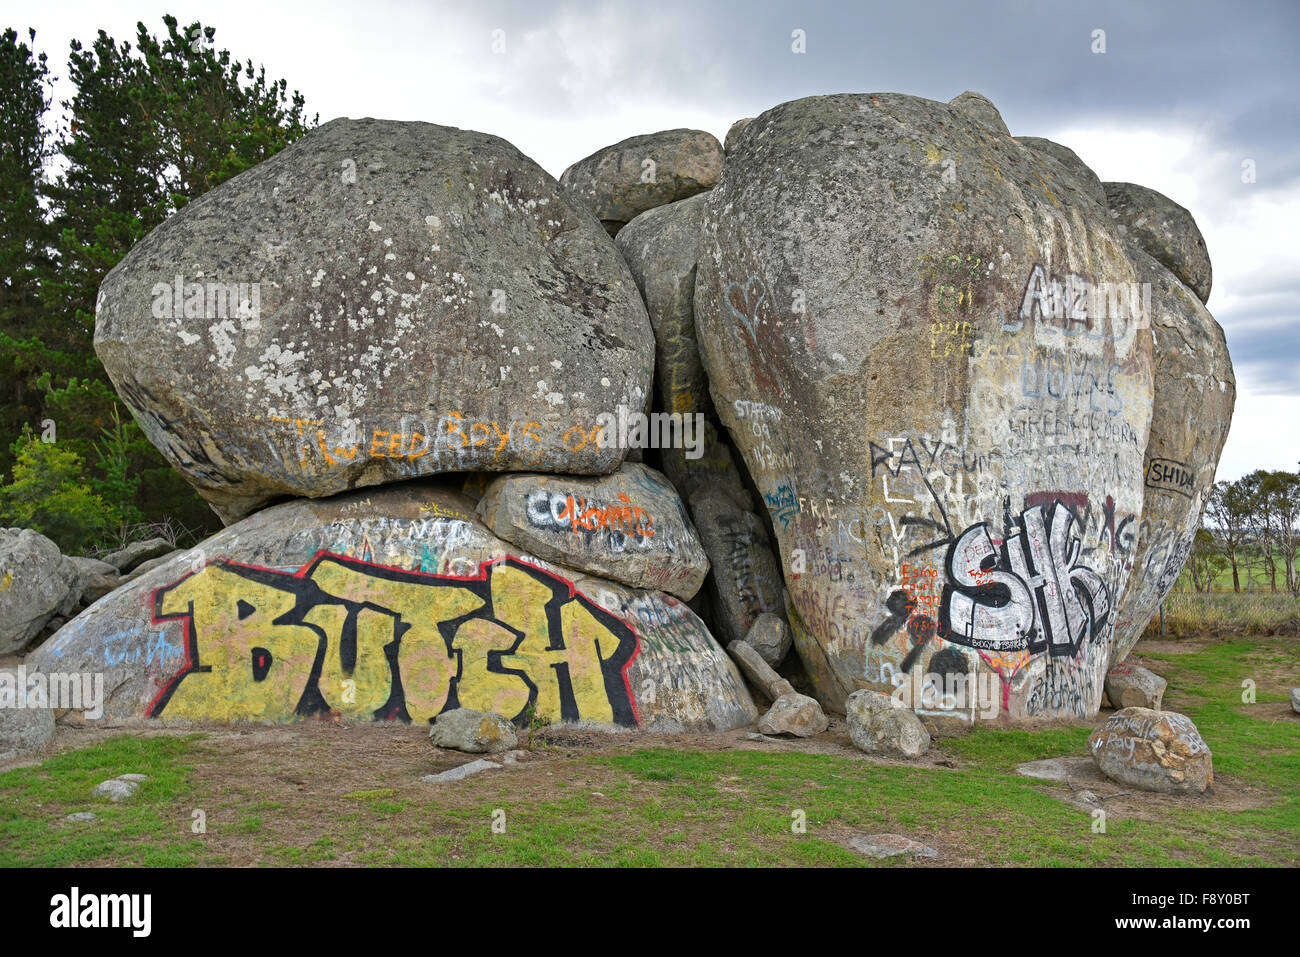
column 890, row 845
column 462, row 772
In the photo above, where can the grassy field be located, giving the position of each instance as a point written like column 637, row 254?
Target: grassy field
column 326, row 794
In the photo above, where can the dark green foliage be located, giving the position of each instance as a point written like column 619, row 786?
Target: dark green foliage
column 150, row 126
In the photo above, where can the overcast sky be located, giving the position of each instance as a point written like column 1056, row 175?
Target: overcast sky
column 1184, row 93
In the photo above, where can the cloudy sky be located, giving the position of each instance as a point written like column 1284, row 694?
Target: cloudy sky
column 1184, row 94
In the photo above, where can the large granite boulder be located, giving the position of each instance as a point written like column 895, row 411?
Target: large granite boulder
column 393, row 603
column 377, row 302
column 947, row 342
column 659, row 246
column 630, row 526
column 36, row 582
column 1153, row 750
column 1195, row 391
column 622, row 181
column 1165, row 230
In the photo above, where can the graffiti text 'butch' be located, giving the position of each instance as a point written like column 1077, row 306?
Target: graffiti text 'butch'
column 373, row 641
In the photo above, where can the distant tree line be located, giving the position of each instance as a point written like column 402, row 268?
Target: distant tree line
column 149, row 128
column 1250, row 525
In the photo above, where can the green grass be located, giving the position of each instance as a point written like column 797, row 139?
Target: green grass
column 152, row 828
column 664, row 807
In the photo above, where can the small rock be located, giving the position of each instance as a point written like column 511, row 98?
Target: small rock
column 890, row 845
column 82, row 816
column 795, row 714
column 755, row 736
column 1295, row 700
column 461, row 772
column 879, row 724
column 465, row 729
column 1085, row 800
column 1132, row 686
column 513, row 757
column 126, row 559
column 613, row 181
column 146, row 567
column 770, row 637
column 137, row 778
column 1153, row 750
column 117, row 789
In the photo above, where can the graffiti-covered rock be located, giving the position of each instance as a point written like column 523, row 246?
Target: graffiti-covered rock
column 1195, row 392
column 464, row 729
column 1153, row 750
column 949, row 349
column 377, row 302
column 622, row 181
column 745, row 579
column 1165, row 230
column 630, row 526
column 35, row 582
column 1132, row 686
column 392, row 604
column 880, row 725
column 659, row 246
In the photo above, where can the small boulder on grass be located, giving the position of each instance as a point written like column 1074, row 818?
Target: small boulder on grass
column 1153, row 750
column 796, row 714
column 880, row 725
column 1132, row 686
column 475, row 732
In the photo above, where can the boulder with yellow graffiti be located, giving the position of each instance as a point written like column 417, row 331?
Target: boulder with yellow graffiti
column 393, row 604
column 378, row 302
